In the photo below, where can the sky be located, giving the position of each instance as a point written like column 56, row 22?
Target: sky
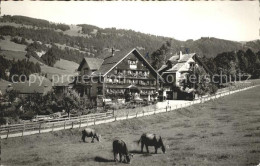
column 182, row 20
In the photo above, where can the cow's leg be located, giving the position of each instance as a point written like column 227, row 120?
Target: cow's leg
column 92, row 139
column 147, row 148
column 142, row 147
column 83, row 138
column 120, row 157
column 155, row 149
column 115, row 156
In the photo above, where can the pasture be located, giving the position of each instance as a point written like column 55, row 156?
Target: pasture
column 221, row 132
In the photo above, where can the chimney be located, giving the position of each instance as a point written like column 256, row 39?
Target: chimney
column 180, row 55
column 113, row 51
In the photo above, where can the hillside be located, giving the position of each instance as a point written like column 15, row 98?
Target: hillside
column 59, row 48
column 93, row 40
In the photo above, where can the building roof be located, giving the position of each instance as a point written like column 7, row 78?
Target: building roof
column 177, row 63
column 111, row 61
column 33, row 87
column 93, row 63
column 162, row 68
column 4, row 85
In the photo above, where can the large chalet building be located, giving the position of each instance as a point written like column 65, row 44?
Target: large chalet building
column 175, row 71
column 118, row 75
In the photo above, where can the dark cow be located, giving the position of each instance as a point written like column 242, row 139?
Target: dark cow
column 119, row 147
column 88, row 132
column 151, row 140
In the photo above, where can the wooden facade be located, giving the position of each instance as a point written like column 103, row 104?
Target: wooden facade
column 121, row 75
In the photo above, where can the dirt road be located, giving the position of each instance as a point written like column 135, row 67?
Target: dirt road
column 221, row 132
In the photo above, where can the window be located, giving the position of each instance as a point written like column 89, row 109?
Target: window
column 133, row 64
column 85, row 70
column 192, row 65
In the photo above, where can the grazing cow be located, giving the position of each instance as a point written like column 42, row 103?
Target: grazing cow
column 88, row 132
column 119, row 147
column 151, row 140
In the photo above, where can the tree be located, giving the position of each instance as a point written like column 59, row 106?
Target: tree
column 70, row 101
column 158, row 57
column 198, row 81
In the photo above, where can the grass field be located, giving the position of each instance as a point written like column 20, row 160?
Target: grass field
column 221, row 132
column 9, row 45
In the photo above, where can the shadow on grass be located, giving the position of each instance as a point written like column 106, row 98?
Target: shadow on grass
column 135, row 152
column 145, row 154
column 103, row 160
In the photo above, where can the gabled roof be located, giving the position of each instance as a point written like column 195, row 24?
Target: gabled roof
column 93, row 63
column 110, row 62
column 33, row 87
column 178, row 63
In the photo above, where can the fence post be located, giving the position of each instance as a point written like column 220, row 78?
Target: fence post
column 40, row 125
column 136, row 114
column 127, row 116
column 80, row 122
column 143, row 113
column 166, row 108
column 72, row 124
column 95, row 121
column 52, row 127
column 23, row 128
column 113, row 112
column 115, row 118
column 64, row 124
column 7, row 133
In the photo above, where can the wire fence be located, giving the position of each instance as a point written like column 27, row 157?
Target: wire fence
column 110, row 116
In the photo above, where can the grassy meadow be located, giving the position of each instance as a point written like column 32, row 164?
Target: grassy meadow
column 221, row 132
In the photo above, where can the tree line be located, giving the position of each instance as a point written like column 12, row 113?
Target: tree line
column 95, row 44
column 8, row 68
column 34, row 22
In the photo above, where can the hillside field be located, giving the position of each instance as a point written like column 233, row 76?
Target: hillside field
column 221, row 132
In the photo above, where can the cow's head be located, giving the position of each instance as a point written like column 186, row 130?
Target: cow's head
column 163, row 149
column 162, row 145
column 128, row 158
column 99, row 138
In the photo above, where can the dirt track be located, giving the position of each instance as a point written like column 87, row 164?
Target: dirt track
column 221, row 132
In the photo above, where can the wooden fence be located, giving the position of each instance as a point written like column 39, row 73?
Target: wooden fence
column 111, row 116
column 53, row 125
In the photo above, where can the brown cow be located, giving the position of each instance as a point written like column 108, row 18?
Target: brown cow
column 119, row 147
column 88, row 132
column 151, row 140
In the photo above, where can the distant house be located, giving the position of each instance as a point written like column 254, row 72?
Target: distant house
column 176, row 69
column 118, row 75
column 62, row 85
column 27, row 89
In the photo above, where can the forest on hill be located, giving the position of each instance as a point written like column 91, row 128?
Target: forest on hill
column 95, row 41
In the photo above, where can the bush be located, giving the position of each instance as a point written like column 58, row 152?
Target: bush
column 28, row 115
column 2, row 121
column 2, row 37
column 213, row 89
